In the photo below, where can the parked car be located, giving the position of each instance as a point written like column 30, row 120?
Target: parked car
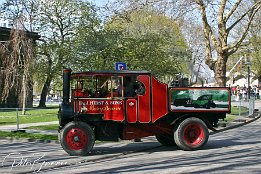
column 204, row 101
column 187, row 102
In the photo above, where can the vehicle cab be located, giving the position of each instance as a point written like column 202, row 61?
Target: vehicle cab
column 118, row 95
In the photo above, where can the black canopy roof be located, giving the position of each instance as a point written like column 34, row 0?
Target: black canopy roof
column 110, row 72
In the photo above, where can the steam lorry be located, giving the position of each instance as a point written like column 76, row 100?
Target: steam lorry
column 127, row 105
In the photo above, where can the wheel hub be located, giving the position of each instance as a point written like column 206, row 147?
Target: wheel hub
column 193, row 134
column 76, row 139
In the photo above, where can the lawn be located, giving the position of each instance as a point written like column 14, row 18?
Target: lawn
column 235, row 110
column 45, row 127
column 28, row 135
column 34, row 115
column 235, row 113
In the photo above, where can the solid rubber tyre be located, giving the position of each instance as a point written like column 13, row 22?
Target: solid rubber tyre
column 77, row 138
column 207, row 106
column 196, row 106
column 165, row 140
column 191, row 134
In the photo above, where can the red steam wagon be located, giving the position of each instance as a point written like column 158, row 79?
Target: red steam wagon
column 113, row 105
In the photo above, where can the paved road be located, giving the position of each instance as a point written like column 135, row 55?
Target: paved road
column 233, row 151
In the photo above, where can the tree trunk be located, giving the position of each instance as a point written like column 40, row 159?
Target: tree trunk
column 24, row 92
column 45, row 91
column 220, row 70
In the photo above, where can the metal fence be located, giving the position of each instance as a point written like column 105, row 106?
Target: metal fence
column 245, row 105
column 11, row 116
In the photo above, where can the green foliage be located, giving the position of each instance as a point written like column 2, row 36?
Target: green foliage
column 145, row 41
column 58, row 24
column 72, row 36
column 235, row 110
column 256, row 55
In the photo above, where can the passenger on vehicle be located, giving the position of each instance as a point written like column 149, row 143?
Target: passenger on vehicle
column 80, row 91
column 128, row 87
column 139, row 88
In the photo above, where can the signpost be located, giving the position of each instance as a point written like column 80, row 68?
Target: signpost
column 120, row 66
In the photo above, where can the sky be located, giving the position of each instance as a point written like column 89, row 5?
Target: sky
column 97, row 2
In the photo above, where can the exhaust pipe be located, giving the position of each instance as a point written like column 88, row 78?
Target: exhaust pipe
column 66, row 85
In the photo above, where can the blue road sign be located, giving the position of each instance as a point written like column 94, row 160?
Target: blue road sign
column 120, row 66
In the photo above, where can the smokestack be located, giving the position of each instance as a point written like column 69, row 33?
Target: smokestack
column 66, row 85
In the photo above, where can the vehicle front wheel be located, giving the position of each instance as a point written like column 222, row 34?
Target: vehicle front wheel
column 77, row 138
column 191, row 134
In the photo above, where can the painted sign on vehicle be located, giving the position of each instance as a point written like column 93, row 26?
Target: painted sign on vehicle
column 112, row 109
column 212, row 99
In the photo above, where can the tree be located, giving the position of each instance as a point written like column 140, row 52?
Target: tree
column 220, row 21
column 57, row 23
column 217, row 33
column 140, row 39
column 255, row 47
column 18, row 54
column 16, row 63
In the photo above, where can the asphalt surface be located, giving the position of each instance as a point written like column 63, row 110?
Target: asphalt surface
column 234, row 149
column 230, row 151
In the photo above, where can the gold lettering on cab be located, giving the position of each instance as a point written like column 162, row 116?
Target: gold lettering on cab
column 100, row 106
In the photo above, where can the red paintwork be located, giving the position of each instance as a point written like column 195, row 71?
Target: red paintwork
column 80, row 93
column 67, row 70
column 149, row 107
column 131, row 110
column 159, row 99
column 76, row 139
column 112, row 109
column 144, row 115
column 193, row 134
column 131, row 132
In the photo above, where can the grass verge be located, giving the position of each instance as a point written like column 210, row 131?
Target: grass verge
column 235, row 110
column 4, row 134
column 8, row 117
column 44, row 127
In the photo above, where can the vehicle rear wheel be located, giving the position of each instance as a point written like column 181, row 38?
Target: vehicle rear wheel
column 196, row 106
column 166, row 140
column 191, row 134
column 207, row 106
column 77, row 138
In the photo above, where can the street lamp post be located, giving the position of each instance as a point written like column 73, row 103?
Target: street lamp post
column 248, row 78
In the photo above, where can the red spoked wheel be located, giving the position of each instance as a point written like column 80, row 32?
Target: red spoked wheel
column 77, row 138
column 191, row 134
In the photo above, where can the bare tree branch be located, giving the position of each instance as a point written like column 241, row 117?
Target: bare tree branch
column 207, row 29
column 233, row 48
column 255, row 7
column 233, row 9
